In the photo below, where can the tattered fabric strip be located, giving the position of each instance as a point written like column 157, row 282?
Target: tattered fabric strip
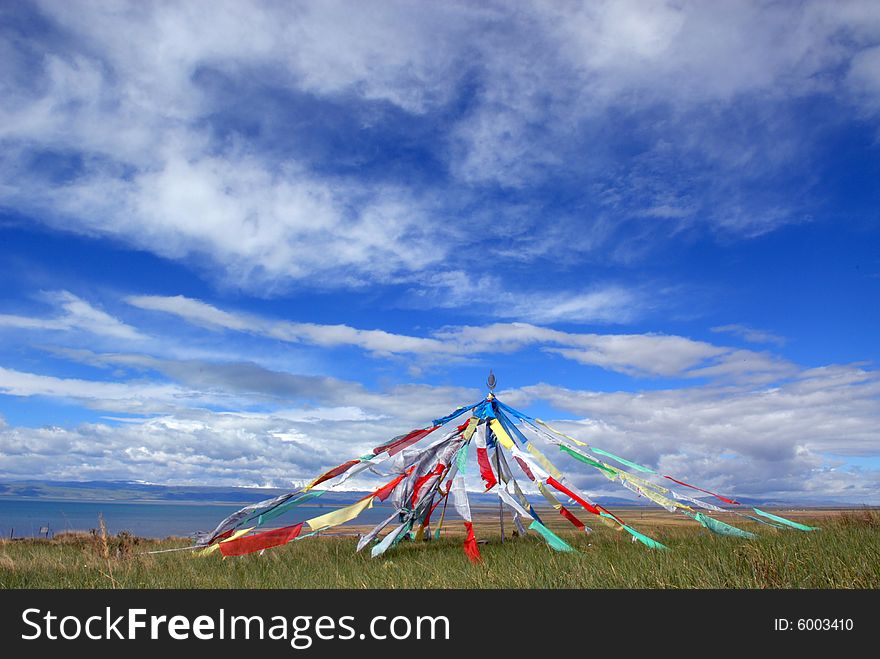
column 442, row 517
column 543, row 461
column 645, row 540
column 507, row 498
column 670, row 505
column 586, row 505
column 562, row 434
column 501, row 433
column 571, row 517
column 721, row 528
column 461, row 459
column 383, row 492
column 458, row 412
column 341, row 516
column 460, row 499
column 697, row 502
column 373, row 534
column 787, row 522
column 391, row 539
column 242, row 515
column 280, row 509
column 485, row 410
column 513, row 487
column 470, row 544
column 512, row 430
column 521, row 508
column 399, row 443
column 577, row 455
column 700, row 489
column 553, row 540
column 332, row 473
column 617, row 458
column 259, row 541
column 425, row 479
column 515, row 412
column 486, row 472
column 368, row 461
column 235, row 536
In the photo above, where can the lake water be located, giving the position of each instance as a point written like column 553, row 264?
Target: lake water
column 149, row 520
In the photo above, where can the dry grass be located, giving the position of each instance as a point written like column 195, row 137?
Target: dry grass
column 844, row 554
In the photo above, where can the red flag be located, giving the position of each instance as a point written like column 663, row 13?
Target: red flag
column 399, row 443
column 525, row 468
column 437, row 471
column 383, row 492
column 567, row 514
column 333, row 473
column 694, row 487
column 265, row 540
column 427, row 521
column 486, row 468
column 222, row 536
column 559, row 486
column 470, row 545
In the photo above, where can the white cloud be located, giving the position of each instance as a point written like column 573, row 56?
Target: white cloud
column 265, row 225
column 765, row 428
column 747, row 441
column 129, row 397
column 152, row 176
column 198, row 385
column 634, row 354
column 127, row 102
column 77, row 315
column 750, row 334
column 609, row 303
column 692, row 59
column 201, row 313
column 124, row 92
column 863, row 77
column 203, row 449
column 776, row 442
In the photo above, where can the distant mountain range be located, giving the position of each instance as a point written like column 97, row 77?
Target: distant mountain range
column 128, row 491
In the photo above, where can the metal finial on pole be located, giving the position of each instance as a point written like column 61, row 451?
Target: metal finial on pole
column 491, row 381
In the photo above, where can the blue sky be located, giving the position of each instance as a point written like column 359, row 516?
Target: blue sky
column 241, row 242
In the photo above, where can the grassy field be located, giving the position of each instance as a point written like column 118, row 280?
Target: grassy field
column 844, row 554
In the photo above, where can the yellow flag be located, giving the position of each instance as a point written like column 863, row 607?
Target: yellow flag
column 471, row 426
column 562, row 434
column 543, row 461
column 340, row 516
column 501, row 434
column 547, row 495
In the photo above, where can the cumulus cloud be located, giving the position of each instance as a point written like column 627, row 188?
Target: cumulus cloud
column 786, row 441
column 128, row 122
column 204, row 449
column 761, row 427
column 783, row 442
column 438, row 145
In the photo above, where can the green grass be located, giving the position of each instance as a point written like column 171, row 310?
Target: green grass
column 844, row 554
